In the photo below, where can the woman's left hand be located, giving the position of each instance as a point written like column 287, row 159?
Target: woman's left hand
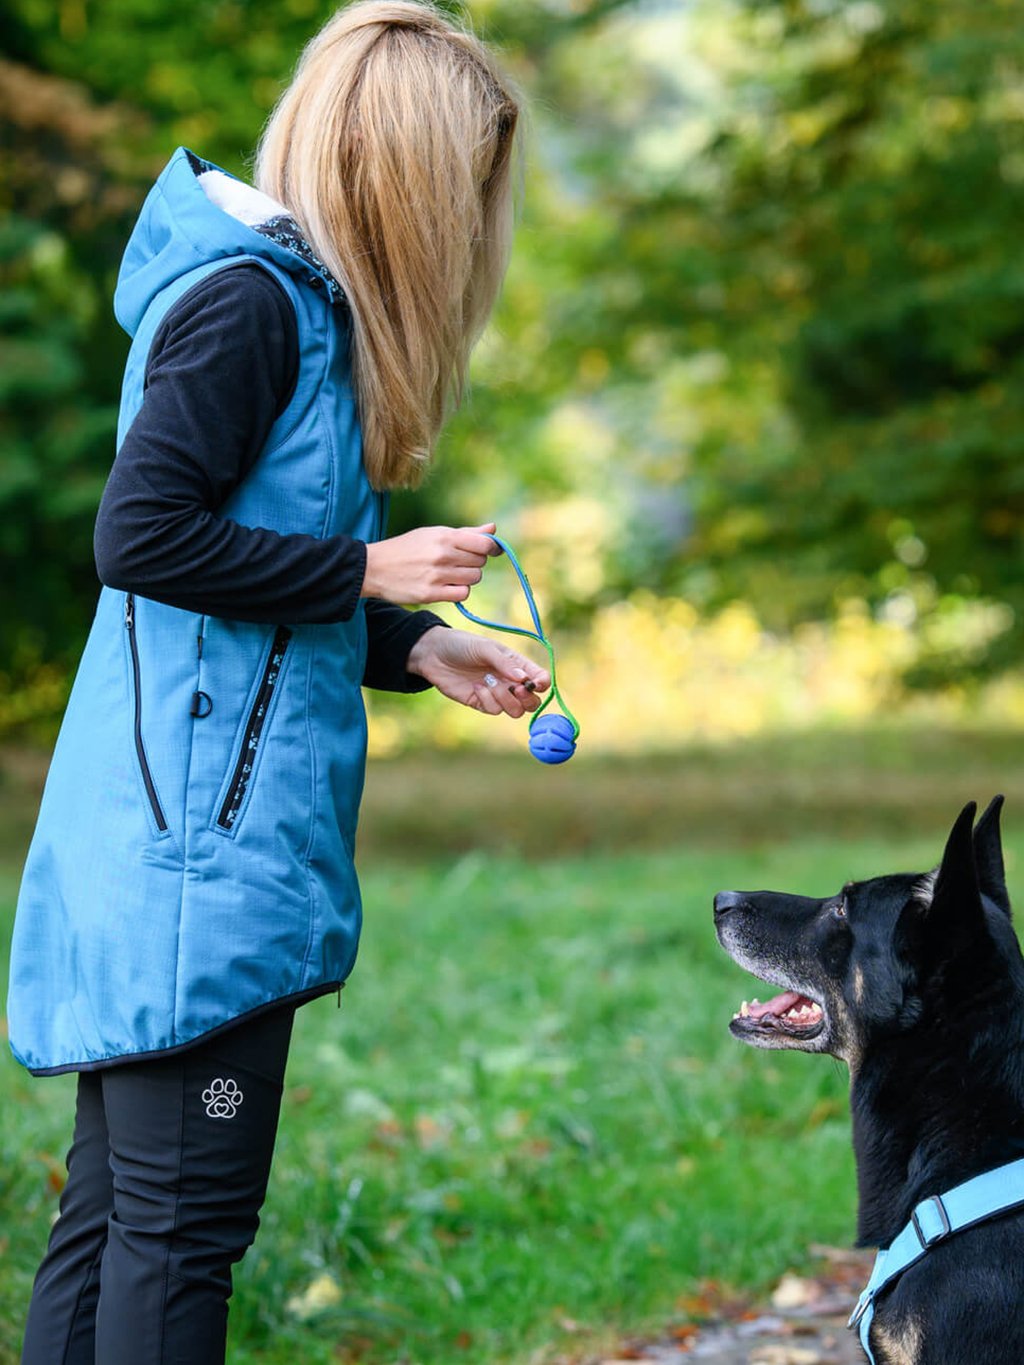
column 478, row 672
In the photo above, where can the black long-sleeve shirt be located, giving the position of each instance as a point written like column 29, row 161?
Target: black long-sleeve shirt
column 221, row 370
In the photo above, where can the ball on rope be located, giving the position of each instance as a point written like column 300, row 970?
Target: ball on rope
column 552, row 739
column 552, row 736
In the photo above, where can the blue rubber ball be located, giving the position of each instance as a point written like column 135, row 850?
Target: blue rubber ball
column 552, row 739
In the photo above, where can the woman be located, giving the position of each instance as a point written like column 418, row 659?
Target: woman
column 190, row 881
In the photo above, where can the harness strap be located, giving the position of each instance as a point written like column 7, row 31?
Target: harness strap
column 933, row 1220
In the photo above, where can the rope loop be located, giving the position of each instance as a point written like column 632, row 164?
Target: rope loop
column 536, row 634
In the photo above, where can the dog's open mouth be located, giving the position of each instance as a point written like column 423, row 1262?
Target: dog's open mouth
column 790, row 1013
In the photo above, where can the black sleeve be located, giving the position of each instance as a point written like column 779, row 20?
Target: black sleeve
column 392, row 631
column 221, row 370
column 222, row 367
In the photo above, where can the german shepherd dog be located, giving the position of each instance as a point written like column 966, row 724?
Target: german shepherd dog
column 916, row 981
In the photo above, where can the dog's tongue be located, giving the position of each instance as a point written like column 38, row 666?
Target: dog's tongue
column 778, row 1006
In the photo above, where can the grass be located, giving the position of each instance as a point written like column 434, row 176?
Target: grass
column 528, row 1128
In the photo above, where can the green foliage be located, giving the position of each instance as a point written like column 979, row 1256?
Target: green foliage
column 874, row 159
column 759, row 338
column 55, row 442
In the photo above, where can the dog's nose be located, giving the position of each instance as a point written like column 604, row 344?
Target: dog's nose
column 726, row 901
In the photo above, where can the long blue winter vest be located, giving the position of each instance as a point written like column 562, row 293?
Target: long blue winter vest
column 193, row 856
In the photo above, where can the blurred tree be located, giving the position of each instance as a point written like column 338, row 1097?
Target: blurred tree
column 65, row 191
column 872, row 183
column 758, row 338
column 93, row 98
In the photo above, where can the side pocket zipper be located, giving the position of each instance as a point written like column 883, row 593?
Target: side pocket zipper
column 232, row 803
column 147, row 776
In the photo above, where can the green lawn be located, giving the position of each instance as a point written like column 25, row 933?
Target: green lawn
column 528, row 1127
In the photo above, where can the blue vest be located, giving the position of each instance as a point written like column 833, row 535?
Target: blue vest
column 193, row 856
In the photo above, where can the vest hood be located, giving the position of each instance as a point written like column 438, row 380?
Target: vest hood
column 195, row 213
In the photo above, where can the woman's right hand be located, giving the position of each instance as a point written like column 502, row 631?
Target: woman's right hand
column 431, row 564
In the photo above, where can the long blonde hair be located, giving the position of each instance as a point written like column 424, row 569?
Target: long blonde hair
column 392, row 148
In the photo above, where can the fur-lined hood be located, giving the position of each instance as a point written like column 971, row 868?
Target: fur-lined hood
column 197, row 211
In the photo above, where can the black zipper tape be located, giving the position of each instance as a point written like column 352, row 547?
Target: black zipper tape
column 254, row 730
column 140, row 750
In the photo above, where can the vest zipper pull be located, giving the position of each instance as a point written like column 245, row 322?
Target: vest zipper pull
column 129, row 612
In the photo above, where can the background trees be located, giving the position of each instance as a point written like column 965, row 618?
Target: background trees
column 759, row 339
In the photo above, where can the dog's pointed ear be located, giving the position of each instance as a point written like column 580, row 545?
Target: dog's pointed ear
column 988, row 857
column 956, row 891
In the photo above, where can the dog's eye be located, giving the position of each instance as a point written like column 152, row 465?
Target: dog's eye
column 839, row 909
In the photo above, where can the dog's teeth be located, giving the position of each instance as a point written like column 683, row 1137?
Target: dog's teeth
column 745, row 1009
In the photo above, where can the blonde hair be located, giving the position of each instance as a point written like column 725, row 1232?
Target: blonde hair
column 392, row 148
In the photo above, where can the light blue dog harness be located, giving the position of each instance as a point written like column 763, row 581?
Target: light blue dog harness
column 933, row 1220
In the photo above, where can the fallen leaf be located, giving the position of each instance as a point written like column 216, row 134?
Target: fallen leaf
column 685, row 1332
column 794, row 1291
column 56, row 1172
column 387, row 1135
column 786, row 1355
column 323, row 1292
column 430, row 1133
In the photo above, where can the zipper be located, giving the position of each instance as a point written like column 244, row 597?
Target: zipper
column 147, row 776
column 254, row 729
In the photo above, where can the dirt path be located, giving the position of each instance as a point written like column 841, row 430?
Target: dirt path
column 803, row 1324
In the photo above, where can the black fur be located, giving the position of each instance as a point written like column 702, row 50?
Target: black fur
column 920, row 983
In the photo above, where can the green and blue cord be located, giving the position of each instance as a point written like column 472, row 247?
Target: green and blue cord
column 553, row 736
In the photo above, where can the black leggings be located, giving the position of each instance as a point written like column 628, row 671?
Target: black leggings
column 166, row 1176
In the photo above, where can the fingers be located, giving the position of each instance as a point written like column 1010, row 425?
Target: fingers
column 431, row 564
column 516, row 682
column 527, row 698
column 463, row 563
column 528, row 678
column 502, row 697
column 486, row 698
column 477, row 541
column 460, row 577
column 464, row 560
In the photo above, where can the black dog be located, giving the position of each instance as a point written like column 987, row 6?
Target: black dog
column 917, row 983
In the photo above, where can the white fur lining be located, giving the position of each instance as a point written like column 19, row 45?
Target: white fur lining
column 244, row 202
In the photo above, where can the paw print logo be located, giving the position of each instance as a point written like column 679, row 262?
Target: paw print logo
column 222, row 1098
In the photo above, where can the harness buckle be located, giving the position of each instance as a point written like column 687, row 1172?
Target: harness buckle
column 859, row 1310
column 929, row 1240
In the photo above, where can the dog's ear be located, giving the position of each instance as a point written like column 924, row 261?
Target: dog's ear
column 988, row 857
column 956, row 899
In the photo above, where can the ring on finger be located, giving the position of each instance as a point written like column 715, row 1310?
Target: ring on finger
column 490, row 680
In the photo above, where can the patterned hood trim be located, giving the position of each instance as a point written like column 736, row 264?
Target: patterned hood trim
column 264, row 215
